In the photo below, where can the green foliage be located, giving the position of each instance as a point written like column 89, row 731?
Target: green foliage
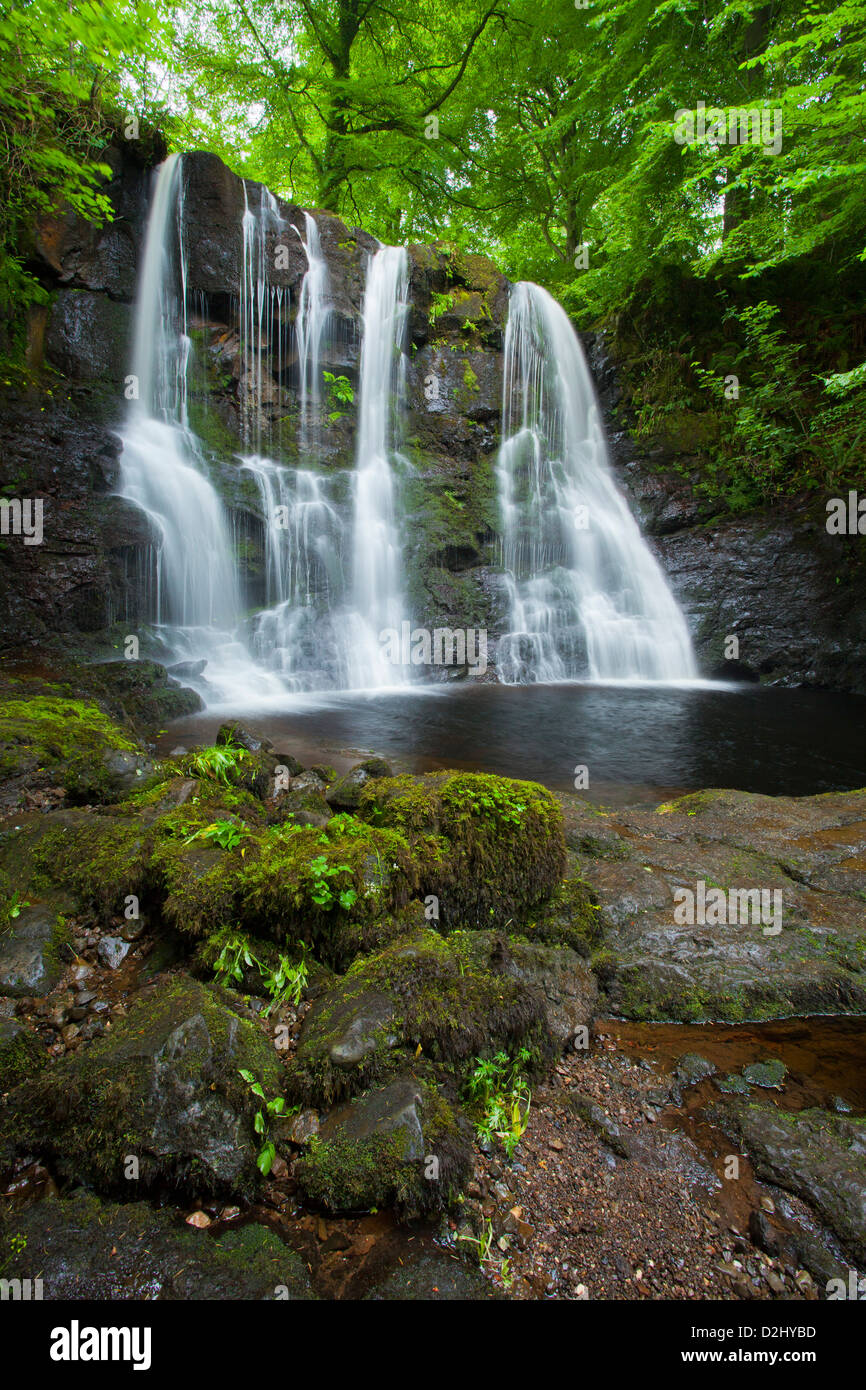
column 340, row 392
column 269, row 1111
column 62, row 71
column 217, row 764
column 285, row 982
column 225, row 833
column 498, row 1088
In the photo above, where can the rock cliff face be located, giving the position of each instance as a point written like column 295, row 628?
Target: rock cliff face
column 777, row 582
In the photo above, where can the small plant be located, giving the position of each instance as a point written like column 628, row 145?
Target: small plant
column 215, row 764
column 16, row 904
column 323, row 893
column 285, row 983
column 439, row 305
column 498, row 1088
column 340, row 392
column 226, row 833
column 271, row 1110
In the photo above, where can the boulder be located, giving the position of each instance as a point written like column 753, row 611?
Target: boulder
column 163, row 1087
column 83, row 1248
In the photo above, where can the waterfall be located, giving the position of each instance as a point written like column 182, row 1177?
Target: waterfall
column 378, row 599
column 260, row 314
column 588, row 599
column 305, row 540
column 162, row 469
column 313, row 312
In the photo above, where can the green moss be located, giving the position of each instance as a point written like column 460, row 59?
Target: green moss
column 144, row 1089
column 446, row 999
column 572, row 917
column 101, row 859
column 343, row 1174
column 68, row 738
column 489, row 848
column 325, row 887
column 21, row 1054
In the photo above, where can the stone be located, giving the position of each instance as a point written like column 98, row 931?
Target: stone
column 112, row 951
column 162, row 1085
column 29, row 953
column 692, row 1068
column 82, row 1247
column 768, row 1075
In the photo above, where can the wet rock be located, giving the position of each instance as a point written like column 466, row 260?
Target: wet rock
column 345, row 793
column 434, row 1278
column 603, row 1124
column 401, row 1144
column 187, row 670
column 818, row 1156
column 83, row 1248
column 242, row 737
column 733, row 1084
column 692, row 1068
column 164, row 1087
column 452, row 997
column 768, row 1075
column 305, row 1127
column 88, row 336
column 29, row 953
column 112, row 951
column 566, row 984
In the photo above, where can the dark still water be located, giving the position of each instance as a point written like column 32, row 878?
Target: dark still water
column 792, row 742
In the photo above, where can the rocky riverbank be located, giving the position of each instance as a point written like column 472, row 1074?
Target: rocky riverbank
column 246, row 1005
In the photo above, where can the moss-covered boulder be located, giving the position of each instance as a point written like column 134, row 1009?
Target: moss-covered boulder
column 344, row 793
column 401, row 1145
column 488, row 848
column 163, row 1087
column 70, row 743
column 451, row 997
column 338, row 889
column 81, row 1247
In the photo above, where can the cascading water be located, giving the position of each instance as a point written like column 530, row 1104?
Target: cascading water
column 378, row 599
column 162, row 469
column 261, row 312
column 313, row 312
column 588, row 599
column 321, row 630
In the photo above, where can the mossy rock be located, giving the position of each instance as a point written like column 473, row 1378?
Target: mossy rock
column 489, row 848
column 453, row 997
column 336, row 889
column 162, row 1087
column 31, row 946
column 70, row 743
column 82, row 1247
column 572, row 917
column 402, row 1145
column 21, row 1054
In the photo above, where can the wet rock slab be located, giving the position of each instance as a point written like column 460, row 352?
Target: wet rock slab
column 82, row 1248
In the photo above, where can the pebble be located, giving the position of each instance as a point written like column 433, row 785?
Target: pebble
column 112, row 951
